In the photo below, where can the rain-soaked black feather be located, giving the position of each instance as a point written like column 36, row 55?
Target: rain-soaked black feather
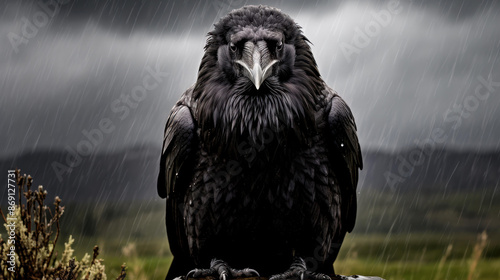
column 254, row 175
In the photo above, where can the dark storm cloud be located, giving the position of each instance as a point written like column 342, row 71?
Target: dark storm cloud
column 414, row 69
column 173, row 16
column 64, row 80
column 456, row 9
column 146, row 16
column 71, row 84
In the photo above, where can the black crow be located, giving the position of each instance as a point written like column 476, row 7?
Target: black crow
column 260, row 157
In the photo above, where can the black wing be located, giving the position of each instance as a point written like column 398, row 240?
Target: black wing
column 176, row 167
column 346, row 157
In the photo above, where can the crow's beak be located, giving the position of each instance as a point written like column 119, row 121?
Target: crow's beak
column 256, row 62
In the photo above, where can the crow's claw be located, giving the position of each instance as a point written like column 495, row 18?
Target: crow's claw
column 200, row 273
column 298, row 270
column 246, row 272
column 221, row 269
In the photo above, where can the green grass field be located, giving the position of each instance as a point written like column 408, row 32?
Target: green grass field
column 396, row 237
column 399, row 257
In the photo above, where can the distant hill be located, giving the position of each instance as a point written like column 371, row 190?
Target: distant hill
column 102, row 177
column 410, row 169
column 130, row 174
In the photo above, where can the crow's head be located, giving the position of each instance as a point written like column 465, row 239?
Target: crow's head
column 257, row 73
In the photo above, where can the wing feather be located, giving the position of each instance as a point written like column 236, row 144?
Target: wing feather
column 176, row 168
column 345, row 155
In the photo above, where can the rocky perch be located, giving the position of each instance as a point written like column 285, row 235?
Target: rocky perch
column 337, row 277
column 357, row 277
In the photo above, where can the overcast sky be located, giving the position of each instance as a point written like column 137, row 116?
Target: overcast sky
column 399, row 66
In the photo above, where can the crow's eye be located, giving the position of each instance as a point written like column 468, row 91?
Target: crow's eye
column 232, row 46
column 279, row 46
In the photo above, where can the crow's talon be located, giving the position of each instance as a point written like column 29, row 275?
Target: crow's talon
column 298, row 270
column 251, row 272
column 244, row 273
column 200, row 273
column 222, row 270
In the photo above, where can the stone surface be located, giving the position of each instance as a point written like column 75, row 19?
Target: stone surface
column 358, row 277
column 338, row 277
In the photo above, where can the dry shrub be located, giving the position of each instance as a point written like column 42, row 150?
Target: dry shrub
column 33, row 230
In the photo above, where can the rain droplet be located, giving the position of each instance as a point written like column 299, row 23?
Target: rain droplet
column 190, row 202
column 341, row 144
